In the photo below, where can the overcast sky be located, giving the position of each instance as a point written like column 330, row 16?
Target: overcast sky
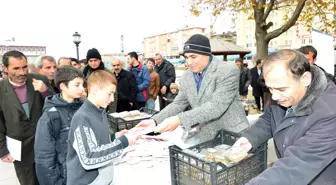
column 100, row 22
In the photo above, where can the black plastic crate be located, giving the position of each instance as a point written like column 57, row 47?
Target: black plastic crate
column 187, row 169
column 117, row 124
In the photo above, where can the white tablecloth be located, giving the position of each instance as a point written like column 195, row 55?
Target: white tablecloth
column 125, row 174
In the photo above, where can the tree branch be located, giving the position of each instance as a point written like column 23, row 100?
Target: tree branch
column 268, row 11
column 267, row 26
column 289, row 23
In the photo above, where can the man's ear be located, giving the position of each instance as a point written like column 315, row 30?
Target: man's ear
column 306, row 78
column 4, row 68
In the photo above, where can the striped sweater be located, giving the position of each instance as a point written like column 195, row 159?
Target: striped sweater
column 90, row 149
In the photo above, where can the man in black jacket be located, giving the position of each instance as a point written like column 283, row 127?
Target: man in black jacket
column 127, row 87
column 257, row 89
column 244, row 80
column 167, row 75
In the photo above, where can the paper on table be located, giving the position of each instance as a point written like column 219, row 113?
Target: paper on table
column 14, row 147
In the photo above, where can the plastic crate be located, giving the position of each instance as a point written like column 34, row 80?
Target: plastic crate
column 117, row 124
column 187, row 169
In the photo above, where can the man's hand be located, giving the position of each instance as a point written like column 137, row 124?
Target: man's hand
column 8, row 159
column 132, row 139
column 243, row 143
column 146, row 123
column 163, row 90
column 39, row 85
column 169, row 124
column 121, row 133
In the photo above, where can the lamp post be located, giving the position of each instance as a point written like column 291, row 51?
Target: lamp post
column 77, row 41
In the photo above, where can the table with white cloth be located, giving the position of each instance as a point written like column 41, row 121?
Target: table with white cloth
column 143, row 174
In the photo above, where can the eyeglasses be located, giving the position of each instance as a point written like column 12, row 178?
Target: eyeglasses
column 116, row 65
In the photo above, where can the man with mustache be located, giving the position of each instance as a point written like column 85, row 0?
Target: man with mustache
column 301, row 119
column 210, row 90
column 22, row 99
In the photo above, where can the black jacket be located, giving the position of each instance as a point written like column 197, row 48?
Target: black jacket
column 166, row 72
column 55, row 88
column 51, row 144
column 257, row 89
column 171, row 97
column 244, row 81
column 261, row 82
column 127, row 90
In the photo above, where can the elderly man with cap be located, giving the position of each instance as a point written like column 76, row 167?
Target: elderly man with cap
column 210, row 87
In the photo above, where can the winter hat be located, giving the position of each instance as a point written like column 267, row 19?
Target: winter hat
column 199, row 44
column 93, row 53
column 174, row 85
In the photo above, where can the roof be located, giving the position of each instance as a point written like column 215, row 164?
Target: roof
column 184, row 29
column 221, row 46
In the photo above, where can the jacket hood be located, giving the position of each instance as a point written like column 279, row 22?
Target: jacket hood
column 57, row 101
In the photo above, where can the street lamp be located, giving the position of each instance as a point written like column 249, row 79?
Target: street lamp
column 77, row 41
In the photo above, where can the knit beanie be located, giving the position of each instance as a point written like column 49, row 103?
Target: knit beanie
column 93, row 53
column 199, row 44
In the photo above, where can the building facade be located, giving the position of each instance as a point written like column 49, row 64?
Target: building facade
column 31, row 52
column 169, row 44
column 295, row 37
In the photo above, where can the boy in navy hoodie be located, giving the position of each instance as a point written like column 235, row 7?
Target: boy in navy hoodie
column 53, row 127
column 92, row 148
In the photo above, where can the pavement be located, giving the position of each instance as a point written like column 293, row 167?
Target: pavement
column 8, row 176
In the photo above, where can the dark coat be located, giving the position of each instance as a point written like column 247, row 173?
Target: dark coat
column 127, row 90
column 51, row 141
column 171, row 97
column 166, row 72
column 305, row 139
column 13, row 120
column 257, row 89
column 55, row 88
column 261, row 82
column 244, row 81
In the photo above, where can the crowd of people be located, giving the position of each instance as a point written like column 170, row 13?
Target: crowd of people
column 58, row 111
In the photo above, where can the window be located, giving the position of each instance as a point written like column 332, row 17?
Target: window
column 310, row 41
column 290, row 42
column 303, row 41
